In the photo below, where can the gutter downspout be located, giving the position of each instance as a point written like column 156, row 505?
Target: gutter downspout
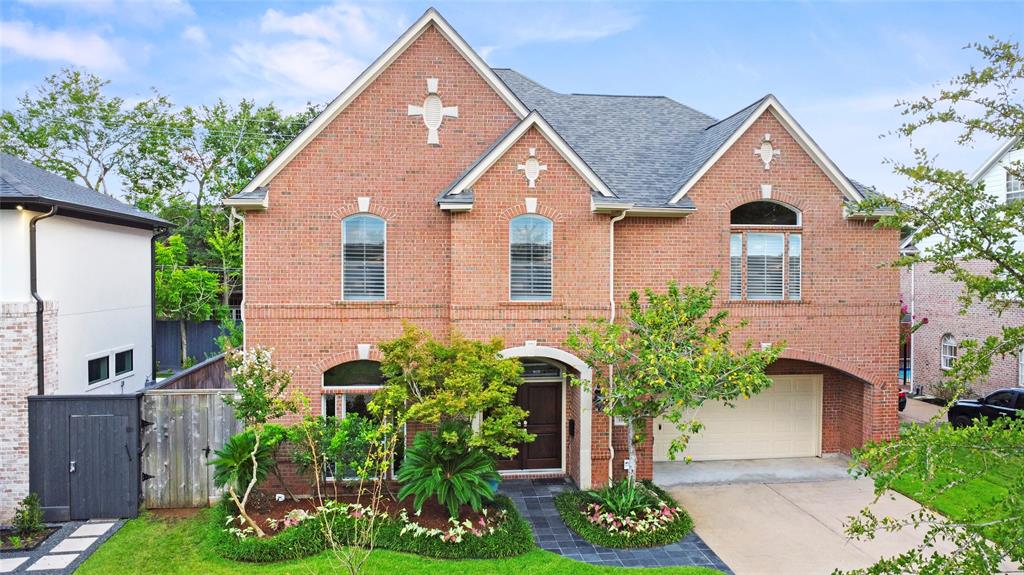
column 913, row 302
column 157, row 235
column 611, row 320
column 34, row 288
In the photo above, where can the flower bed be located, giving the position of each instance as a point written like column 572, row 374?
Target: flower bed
column 500, row 532
column 654, row 525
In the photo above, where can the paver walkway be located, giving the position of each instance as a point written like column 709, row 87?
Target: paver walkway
column 63, row 551
column 535, row 500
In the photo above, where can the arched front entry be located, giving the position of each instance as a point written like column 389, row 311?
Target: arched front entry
column 580, row 458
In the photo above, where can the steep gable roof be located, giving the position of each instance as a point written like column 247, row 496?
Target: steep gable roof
column 463, row 183
column 249, row 197
column 1007, row 147
column 22, row 182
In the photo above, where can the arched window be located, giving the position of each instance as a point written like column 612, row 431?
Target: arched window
column 765, row 265
column 948, row 350
column 350, row 387
column 764, row 213
column 530, row 239
column 363, row 257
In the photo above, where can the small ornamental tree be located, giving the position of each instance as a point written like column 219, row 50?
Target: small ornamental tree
column 673, row 355
column 260, row 397
column 431, row 382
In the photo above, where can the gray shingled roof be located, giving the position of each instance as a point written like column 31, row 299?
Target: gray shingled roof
column 259, row 194
column 20, row 181
column 638, row 145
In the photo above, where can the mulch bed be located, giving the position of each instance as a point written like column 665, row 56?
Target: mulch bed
column 27, row 543
column 433, row 515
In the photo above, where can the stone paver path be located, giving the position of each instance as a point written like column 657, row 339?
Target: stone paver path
column 535, row 500
column 63, row 551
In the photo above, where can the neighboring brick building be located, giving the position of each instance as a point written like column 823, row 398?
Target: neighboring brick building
column 460, row 198
column 935, row 297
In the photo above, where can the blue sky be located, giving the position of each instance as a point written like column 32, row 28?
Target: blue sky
column 838, row 67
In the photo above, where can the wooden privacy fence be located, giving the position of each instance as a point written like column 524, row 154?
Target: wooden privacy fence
column 182, row 430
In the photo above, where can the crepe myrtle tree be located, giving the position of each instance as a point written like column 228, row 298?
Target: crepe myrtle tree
column 428, row 381
column 672, row 355
column 260, row 389
column 965, row 225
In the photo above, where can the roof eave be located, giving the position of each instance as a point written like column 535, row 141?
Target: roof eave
column 632, row 210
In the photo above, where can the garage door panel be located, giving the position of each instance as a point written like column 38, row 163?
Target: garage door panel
column 782, row 421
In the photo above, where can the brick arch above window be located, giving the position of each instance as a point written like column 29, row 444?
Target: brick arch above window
column 550, row 213
column 329, row 361
column 376, row 209
column 778, row 196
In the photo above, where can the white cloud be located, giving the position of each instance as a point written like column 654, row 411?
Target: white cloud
column 195, row 35
column 78, row 48
column 313, row 55
column 551, row 23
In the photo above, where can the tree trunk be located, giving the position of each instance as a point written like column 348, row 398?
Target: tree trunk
column 183, row 332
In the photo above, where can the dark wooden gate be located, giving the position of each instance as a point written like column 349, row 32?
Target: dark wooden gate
column 99, row 467
column 84, row 455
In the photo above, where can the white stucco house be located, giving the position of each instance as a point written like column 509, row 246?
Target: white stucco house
column 76, row 301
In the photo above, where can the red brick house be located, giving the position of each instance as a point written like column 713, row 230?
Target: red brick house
column 439, row 191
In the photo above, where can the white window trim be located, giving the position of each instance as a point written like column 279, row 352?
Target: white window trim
column 110, row 370
column 1020, row 367
column 362, row 214
column 786, row 232
column 113, row 363
column 942, row 351
column 551, row 297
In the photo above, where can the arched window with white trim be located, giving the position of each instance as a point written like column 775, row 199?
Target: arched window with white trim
column 363, row 257
column 947, row 351
column 530, row 258
column 765, row 252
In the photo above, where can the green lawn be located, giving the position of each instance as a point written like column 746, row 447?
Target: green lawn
column 159, row 547
column 958, row 502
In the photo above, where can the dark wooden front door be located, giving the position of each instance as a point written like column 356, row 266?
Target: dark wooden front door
column 543, row 399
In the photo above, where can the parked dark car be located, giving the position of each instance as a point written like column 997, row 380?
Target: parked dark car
column 1002, row 403
column 903, row 400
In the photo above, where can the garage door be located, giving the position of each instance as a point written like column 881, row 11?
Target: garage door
column 782, row 421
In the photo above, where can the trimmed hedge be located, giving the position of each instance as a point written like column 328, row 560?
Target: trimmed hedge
column 512, row 538
column 571, row 504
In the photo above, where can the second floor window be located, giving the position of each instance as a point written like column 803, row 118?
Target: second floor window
column 530, row 258
column 363, row 270
column 1014, row 188
column 765, row 264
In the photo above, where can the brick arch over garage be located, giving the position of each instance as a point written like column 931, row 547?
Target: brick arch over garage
column 828, row 361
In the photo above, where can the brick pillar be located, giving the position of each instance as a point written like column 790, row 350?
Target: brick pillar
column 17, row 382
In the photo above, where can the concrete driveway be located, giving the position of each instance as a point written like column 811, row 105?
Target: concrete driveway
column 792, row 528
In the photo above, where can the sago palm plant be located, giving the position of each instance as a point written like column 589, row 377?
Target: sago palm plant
column 442, row 466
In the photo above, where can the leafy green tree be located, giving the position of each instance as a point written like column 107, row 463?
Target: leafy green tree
column 674, row 354
column 969, row 225
column 184, row 293
column 430, row 382
column 70, row 127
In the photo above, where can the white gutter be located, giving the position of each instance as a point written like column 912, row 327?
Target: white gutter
column 913, row 301
column 611, row 320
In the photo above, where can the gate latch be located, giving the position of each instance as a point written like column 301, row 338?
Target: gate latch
column 72, row 466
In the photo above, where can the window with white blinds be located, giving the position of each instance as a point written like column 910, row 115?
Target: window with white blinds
column 1014, row 188
column 794, row 277
column 530, row 258
column 764, row 266
column 363, row 271
column 736, row 266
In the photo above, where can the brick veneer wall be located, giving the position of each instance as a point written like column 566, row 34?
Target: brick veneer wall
column 449, row 272
column 936, row 298
column 17, row 382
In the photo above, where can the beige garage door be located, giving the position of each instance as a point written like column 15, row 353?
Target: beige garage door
column 782, row 421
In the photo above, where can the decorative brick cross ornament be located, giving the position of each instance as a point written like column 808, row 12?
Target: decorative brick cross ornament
column 433, row 111
column 766, row 152
column 532, row 168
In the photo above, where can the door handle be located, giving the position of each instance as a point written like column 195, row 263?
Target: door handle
column 72, row 470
